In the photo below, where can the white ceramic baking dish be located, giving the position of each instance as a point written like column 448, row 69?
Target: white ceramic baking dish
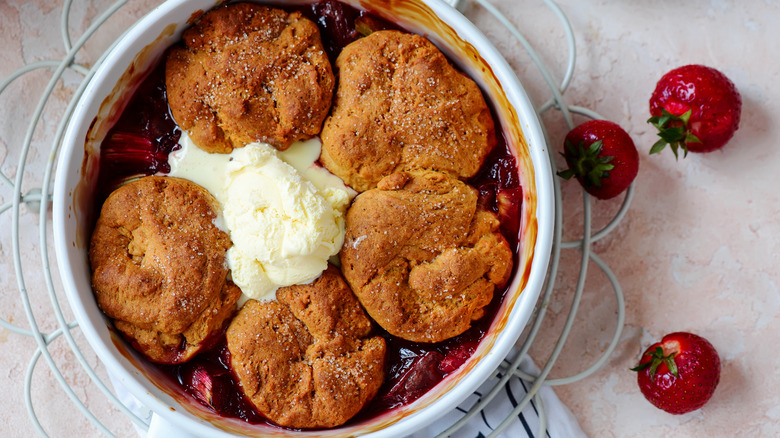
column 114, row 82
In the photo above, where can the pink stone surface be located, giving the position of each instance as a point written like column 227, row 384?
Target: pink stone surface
column 696, row 251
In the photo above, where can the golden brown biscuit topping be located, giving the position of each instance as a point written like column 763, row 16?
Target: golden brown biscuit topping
column 306, row 360
column 420, row 255
column 249, row 73
column 158, row 266
column 400, row 105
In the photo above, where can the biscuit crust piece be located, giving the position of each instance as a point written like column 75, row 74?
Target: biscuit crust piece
column 422, row 257
column 307, row 360
column 249, row 73
column 158, row 267
column 400, row 105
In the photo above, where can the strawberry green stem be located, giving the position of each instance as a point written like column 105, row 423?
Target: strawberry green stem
column 657, row 358
column 673, row 131
column 586, row 164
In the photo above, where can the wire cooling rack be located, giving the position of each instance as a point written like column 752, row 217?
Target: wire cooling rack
column 37, row 199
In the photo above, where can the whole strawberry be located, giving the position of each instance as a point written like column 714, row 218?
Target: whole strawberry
column 602, row 156
column 695, row 108
column 680, row 373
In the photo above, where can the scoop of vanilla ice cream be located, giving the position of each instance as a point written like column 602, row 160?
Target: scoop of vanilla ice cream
column 285, row 220
column 283, row 228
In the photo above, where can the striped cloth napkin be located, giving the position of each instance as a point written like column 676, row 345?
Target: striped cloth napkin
column 561, row 423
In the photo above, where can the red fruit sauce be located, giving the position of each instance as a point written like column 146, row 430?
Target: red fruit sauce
column 145, row 134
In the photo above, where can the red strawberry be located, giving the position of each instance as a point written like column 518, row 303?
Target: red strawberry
column 602, row 156
column 695, row 108
column 680, row 373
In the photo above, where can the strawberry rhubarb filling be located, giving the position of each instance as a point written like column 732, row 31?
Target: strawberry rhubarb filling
column 146, row 136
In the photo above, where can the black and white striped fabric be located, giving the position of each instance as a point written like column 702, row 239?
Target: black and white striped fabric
column 560, row 421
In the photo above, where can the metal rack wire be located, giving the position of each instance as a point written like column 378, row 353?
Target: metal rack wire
column 38, row 199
